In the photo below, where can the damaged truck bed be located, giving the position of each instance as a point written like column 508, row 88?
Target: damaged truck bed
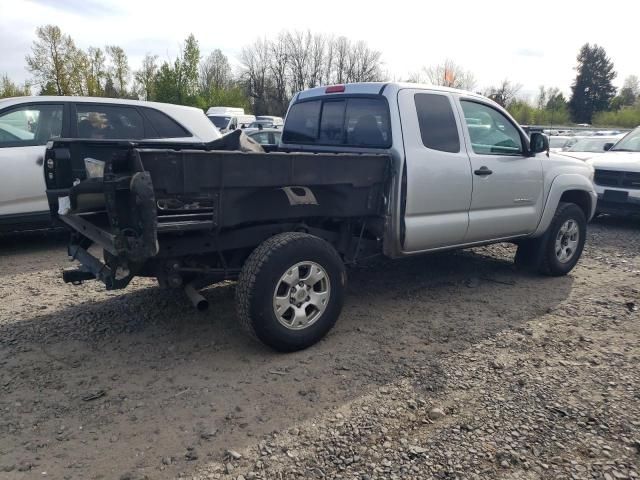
column 190, row 216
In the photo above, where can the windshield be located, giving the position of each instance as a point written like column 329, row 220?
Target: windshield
column 630, row 143
column 220, row 122
column 592, row 145
column 557, row 142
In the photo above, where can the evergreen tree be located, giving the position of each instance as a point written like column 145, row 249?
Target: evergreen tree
column 592, row 89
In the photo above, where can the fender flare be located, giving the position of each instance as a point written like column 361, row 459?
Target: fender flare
column 561, row 184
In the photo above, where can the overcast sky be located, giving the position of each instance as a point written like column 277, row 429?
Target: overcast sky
column 532, row 43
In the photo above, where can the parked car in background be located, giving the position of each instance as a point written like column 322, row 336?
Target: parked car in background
column 617, row 176
column 275, row 121
column 269, row 138
column 27, row 123
column 227, row 119
column 259, row 125
column 606, row 133
column 558, row 142
column 589, row 147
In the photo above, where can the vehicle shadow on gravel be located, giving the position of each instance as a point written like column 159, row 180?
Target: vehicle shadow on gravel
column 150, row 377
column 32, row 241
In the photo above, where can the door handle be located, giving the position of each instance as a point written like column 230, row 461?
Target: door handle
column 482, row 171
column 40, row 161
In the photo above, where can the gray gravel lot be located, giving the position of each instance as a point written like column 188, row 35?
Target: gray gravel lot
column 445, row 366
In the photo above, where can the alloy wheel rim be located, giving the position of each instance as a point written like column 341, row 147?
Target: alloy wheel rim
column 567, row 241
column 301, row 295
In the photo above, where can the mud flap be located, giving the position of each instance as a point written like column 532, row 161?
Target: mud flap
column 143, row 202
column 530, row 252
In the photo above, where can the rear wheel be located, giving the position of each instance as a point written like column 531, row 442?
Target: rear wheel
column 291, row 290
column 560, row 248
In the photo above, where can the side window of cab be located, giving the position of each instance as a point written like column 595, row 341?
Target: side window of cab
column 490, row 131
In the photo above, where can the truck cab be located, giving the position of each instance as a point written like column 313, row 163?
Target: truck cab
column 465, row 172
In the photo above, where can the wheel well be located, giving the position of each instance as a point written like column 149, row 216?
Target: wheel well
column 580, row 198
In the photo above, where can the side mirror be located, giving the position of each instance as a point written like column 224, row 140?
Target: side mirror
column 539, row 143
column 607, row 146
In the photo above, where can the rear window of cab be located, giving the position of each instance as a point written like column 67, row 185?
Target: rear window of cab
column 345, row 121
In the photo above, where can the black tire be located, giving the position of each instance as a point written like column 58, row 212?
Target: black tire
column 261, row 275
column 540, row 253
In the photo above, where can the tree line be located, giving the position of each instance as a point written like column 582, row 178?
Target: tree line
column 272, row 70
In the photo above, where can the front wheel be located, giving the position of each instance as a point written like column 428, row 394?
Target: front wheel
column 291, row 290
column 560, row 248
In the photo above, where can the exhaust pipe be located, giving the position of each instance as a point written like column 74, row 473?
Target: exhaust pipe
column 197, row 300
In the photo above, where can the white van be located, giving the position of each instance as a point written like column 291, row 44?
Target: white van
column 227, row 119
column 225, row 111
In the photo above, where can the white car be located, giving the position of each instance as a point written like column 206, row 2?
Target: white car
column 275, row 121
column 617, row 176
column 589, row 147
column 27, row 123
column 558, row 142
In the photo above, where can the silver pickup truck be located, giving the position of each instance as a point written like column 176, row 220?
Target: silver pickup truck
column 362, row 170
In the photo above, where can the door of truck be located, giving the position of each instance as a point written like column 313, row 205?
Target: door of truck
column 507, row 182
column 437, row 192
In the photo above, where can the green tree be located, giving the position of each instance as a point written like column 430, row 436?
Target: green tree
column 630, row 90
column 119, row 69
column 146, row 76
column 189, row 67
column 110, row 90
column 165, row 85
column 215, row 72
column 557, row 109
column 178, row 83
column 542, row 98
column 48, row 88
column 505, row 93
column 555, row 100
column 52, row 59
column 592, row 89
column 96, row 73
column 626, row 117
column 616, row 103
column 231, row 96
column 78, row 72
column 11, row 89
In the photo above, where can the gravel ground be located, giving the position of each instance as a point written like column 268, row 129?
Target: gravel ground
column 445, row 366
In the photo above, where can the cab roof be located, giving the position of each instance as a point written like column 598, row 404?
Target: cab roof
column 377, row 88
